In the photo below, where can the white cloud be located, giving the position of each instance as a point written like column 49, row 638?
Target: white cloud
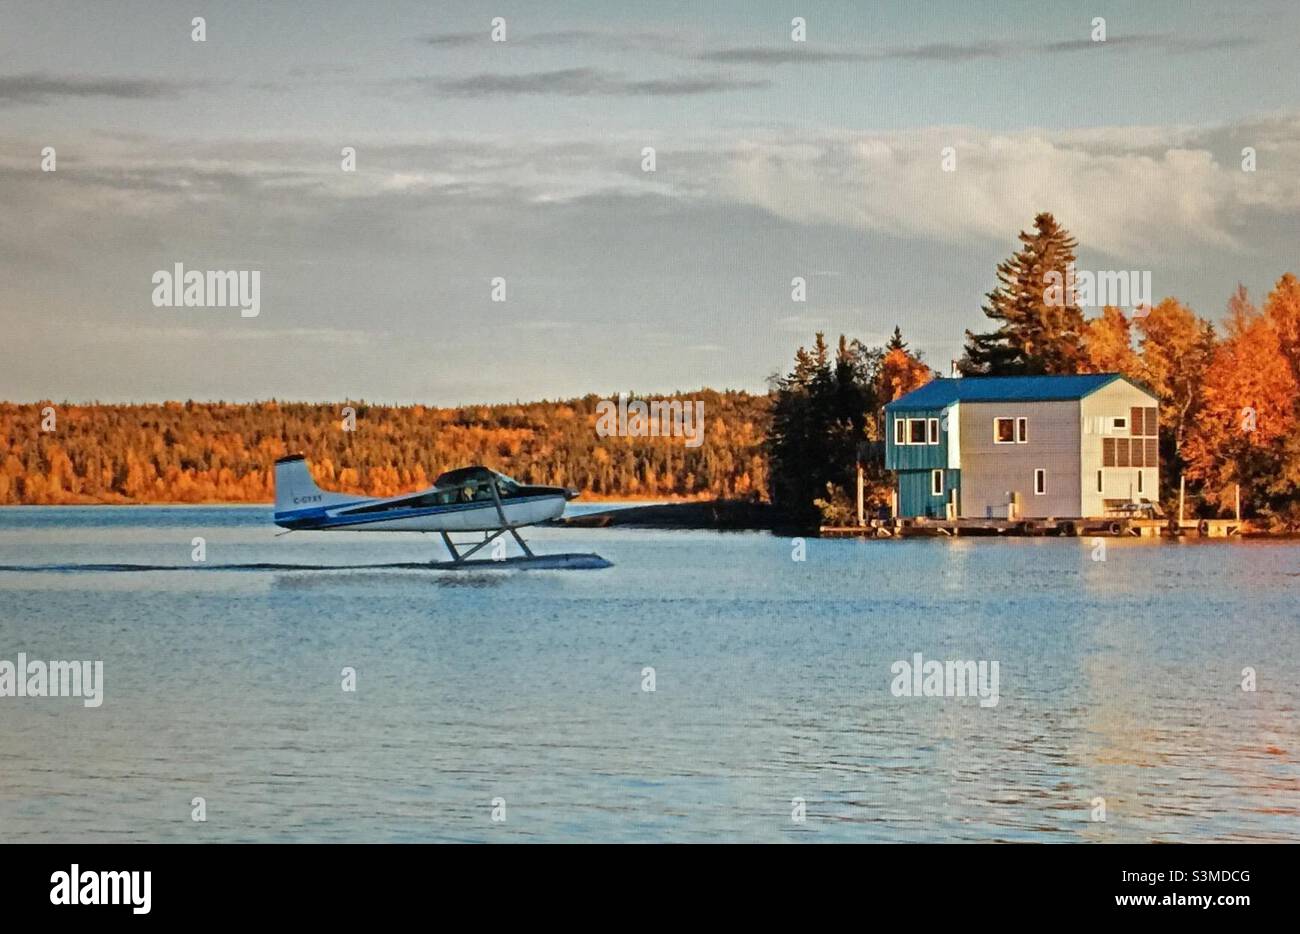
column 1138, row 193
column 1138, row 200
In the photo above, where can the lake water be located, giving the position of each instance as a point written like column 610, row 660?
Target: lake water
column 1119, row 679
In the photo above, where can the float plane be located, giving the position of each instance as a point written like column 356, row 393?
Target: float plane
column 470, row 499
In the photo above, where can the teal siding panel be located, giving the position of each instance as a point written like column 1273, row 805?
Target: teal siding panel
column 915, row 456
column 915, row 496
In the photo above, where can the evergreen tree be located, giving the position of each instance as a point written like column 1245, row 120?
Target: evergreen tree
column 825, row 418
column 1039, row 326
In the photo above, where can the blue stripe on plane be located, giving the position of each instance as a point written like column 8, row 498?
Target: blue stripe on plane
column 315, row 512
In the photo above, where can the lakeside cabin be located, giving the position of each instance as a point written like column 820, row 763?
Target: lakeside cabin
column 1024, row 447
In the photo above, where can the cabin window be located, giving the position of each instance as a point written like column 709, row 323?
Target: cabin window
column 1004, row 431
column 1022, row 431
column 916, row 431
column 900, row 431
column 474, row 490
column 1040, row 481
column 934, row 431
column 936, row 483
column 1118, row 424
column 1100, row 488
column 507, row 487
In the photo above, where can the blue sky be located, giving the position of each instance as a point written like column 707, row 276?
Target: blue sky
column 523, row 160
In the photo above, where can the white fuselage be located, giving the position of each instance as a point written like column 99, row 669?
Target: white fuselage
column 468, row 517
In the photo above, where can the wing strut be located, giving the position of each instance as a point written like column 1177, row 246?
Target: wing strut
column 458, row 557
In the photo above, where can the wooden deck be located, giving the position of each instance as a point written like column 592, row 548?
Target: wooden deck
column 1068, row 527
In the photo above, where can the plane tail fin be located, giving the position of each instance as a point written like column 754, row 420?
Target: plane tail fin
column 296, row 490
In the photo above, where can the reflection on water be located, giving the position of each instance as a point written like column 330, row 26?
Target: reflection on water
column 1120, row 680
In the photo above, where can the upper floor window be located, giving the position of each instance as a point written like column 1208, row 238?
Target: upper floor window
column 1145, row 421
column 1011, row 430
column 916, row 431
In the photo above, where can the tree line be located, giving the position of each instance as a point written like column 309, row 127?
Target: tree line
column 199, row 452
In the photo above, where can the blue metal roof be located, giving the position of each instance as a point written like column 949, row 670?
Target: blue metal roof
column 939, row 393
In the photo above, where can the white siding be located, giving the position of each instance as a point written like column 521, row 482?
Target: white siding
column 953, row 414
column 1096, row 412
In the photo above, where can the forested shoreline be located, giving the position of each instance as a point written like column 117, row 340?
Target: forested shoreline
column 217, row 452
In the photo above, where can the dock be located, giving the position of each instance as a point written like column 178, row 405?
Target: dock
column 1117, row 527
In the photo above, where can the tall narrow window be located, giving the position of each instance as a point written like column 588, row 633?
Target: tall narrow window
column 1139, row 481
column 1040, row 481
column 900, row 431
column 934, row 431
column 1100, row 488
column 936, row 483
column 1022, row 431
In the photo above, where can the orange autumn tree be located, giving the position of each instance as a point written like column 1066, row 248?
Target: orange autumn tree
column 900, row 373
column 1176, row 348
column 1108, row 344
column 1283, row 308
column 1246, row 429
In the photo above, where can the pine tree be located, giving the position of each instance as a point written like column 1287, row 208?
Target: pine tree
column 1040, row 328
column 825, row 414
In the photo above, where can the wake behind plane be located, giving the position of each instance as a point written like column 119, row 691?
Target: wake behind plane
column 470, row 499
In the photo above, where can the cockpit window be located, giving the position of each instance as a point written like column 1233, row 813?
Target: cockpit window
column 474, row 483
